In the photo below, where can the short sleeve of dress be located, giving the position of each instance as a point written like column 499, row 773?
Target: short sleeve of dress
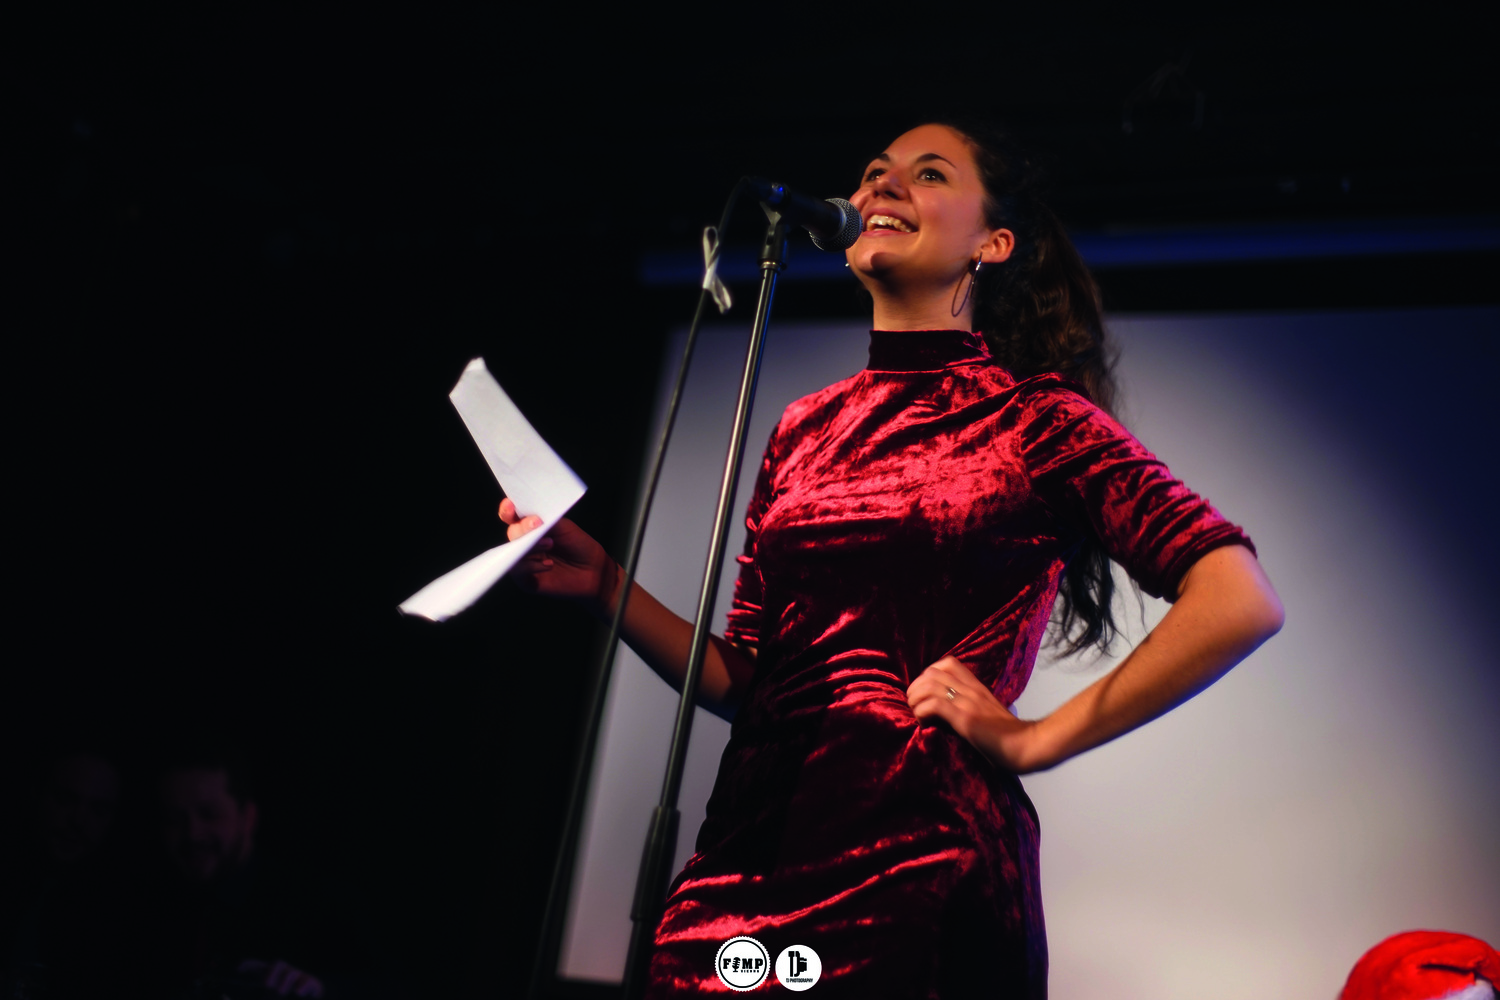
column 1094, row 472
column 745, row 611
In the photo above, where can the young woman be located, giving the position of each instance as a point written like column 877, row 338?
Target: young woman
column 910, row 531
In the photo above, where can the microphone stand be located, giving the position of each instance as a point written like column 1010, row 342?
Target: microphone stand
column 661, row 842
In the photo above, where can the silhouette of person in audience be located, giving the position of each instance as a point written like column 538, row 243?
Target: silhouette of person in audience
column 79, row 804
column 223, row 924
column 57, row 924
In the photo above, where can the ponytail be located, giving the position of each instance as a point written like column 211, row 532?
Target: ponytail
column 1040, row 312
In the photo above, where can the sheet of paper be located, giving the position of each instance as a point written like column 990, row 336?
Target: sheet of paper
column 529, row 472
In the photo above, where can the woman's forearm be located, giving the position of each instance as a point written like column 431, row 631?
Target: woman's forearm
column 1225, row 609
column 662, row 638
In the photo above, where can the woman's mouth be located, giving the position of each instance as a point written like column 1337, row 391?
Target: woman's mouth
column 887, row 224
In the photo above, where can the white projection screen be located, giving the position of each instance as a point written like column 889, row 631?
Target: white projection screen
column 1337, row 787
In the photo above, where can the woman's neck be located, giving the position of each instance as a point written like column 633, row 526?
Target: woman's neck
column 911, row 310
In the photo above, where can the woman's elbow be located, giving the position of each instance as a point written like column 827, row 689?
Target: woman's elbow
column 1233, row 579
column 1263, row 612
column 1270, row 615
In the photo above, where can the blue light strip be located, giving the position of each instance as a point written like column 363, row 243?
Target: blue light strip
column 1155, row 248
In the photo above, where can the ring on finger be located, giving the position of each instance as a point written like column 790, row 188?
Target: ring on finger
column 952, row 693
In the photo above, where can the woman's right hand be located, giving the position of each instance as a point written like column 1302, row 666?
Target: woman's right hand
column 568, row 563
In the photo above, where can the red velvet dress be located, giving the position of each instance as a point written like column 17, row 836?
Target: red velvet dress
column 926, row 506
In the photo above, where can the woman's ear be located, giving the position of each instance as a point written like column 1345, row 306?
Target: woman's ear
column 998, row 247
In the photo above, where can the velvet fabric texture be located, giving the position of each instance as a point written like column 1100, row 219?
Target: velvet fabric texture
column 927, row 506
column 1425, row 965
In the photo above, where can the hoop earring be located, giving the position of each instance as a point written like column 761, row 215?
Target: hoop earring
column 973, row 277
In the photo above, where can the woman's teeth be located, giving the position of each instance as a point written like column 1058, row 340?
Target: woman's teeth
column 888, row 222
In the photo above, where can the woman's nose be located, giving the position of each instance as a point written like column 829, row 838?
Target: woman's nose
column 881, row 187
column 888, row 184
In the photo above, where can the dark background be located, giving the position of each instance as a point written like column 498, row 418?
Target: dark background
column 252, row 252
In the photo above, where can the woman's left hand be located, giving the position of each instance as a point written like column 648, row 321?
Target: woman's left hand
column 948, row 690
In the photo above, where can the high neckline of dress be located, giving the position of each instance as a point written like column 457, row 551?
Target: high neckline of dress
column 925, row 350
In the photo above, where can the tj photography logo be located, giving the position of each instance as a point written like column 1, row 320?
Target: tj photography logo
column 743, row 963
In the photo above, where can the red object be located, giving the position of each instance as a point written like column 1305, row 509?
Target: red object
column 923, row 507
column 1422, row 965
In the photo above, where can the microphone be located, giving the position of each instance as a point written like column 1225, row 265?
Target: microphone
column 834, row 224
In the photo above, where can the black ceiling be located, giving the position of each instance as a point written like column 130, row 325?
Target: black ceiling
column 346, row 130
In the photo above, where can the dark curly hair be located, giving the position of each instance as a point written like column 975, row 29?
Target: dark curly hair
column 1040, row 312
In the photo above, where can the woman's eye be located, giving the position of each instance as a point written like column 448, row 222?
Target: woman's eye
column 874, row 173
column 931, row 174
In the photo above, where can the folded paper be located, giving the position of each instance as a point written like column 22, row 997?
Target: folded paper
column 528, row 471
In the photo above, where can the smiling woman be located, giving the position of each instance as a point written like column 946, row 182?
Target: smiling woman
column 924, row 204
column 909, row 534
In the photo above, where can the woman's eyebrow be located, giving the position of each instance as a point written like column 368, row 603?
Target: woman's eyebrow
column 924, row 158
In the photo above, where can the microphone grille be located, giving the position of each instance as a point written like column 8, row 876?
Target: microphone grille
column 845, row 237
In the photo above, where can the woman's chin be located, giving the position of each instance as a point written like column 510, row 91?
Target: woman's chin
column 878, row 264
